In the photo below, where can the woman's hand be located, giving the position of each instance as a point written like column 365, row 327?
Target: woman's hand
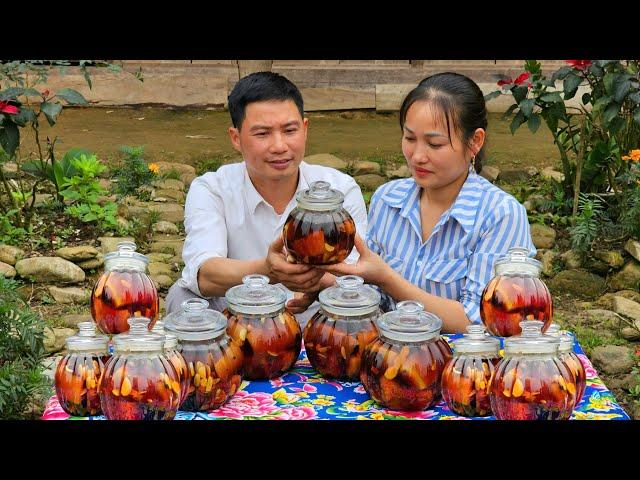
column 370, row 266
column 296, row 277
column 301, row 301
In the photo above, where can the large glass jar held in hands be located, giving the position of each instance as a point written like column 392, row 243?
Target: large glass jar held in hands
column 269, row 335
column 402, row 369
column 124, row 290
column 78, row 372
column 514, row 294
column 319, row 231
column 337, row 334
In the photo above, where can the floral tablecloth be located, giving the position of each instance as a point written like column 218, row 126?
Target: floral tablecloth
column 303, row 394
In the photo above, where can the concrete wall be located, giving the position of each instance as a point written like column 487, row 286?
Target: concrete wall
column 325, row 84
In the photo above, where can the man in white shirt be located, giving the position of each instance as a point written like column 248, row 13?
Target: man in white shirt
column 234, row 216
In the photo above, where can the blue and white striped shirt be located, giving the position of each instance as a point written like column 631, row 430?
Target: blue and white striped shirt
column 456, row 261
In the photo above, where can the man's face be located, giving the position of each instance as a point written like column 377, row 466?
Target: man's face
column 271, row 139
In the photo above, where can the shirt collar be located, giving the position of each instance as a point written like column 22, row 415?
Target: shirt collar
column 254, row 198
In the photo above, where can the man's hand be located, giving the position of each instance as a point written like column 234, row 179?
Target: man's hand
column 296, row 277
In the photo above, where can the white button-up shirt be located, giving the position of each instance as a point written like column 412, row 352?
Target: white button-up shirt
column 226, row 217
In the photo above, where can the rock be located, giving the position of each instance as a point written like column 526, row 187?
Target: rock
column 572, row 259
column 50, row 270
column 176, row 262
column 533, row 202
column 514, row 176
column 543, row 236
column 598, row 319
column 173, row 247
column 162, row 281
column 187, row 178
column 32, row 291
column 633, row 247
column 327, row 160
column 612, row 258
column 169, row 184
column 532, row 171
column 577, row 282
column 110, row 244
column 583, row 305
column 10, row 254
column 170, row 212
column 49, row 365
column 93, row 263
column 550, row 174
column 157, row 268
column 626, row 307
column 347, row 115
column 630, row 333
column 628, row 278
column 175, row 195
column 165, row 227
column 7, row 270
column 166, row 167
column 10, row 170
column 612, row 359
column 401, row 172
column 70, row 295
column 73, row 319
column 490, row 173
column 365, row 167
column 55, row 338
column 105, row 183
column 547, row 258
column 370, row 181
column 78, row 254
column 606, row 300
column 597, row 266
column 43, row 199
column 159, row 257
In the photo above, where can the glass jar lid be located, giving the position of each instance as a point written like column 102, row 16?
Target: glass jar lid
column 320, row 197
column 566, row 340
column 170, row 340
column 409, row 323
column 255, row 296
column 138, row 338
column 517, row 262
column 477, row 341
column 350, row 297
column 125, row 256
column 531, row 340
column 88, row 339
column 194, row 321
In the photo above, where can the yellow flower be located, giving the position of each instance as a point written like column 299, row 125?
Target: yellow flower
column 377, row 416
column 322, row 402
column 634, row 155
column 153, row 167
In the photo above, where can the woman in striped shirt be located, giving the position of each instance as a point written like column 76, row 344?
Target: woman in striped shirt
column 435, row 236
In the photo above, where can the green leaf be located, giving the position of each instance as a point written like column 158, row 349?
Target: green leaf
column 601, row 104
column 616, row 124
column 534, row 123
column 621, row 90
column 51, row 111
column 509, row 111
column 636, row 115
column 11, row 93
column 492, row 95
column 560, row 74
column 570, row 85
column 518, row 120
column 35, row 168
column 24, row 116
column 610, row 81
column 596, row 70
column 72, row 97
column 519, row 93
column 551, row 97
column 586, row 98
column 610, row 112
column 532, row 66
column 87, row 77
column 9, row 138
column 635, row 97
column 526, row 106
column 89, row 217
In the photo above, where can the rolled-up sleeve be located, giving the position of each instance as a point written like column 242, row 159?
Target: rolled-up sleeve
column 354, row 204
column 506, row 227
column 206, row 230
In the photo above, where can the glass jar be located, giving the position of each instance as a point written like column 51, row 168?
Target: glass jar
column 337, row 334
column 515, row 293
column 175, row 357
column 78, row 372
column 319, row 231
column 531, row 382
column 569, row 357
column 269, row 335
column 467, row 377
column 214, row 360
column 402, row 368
column 139, row 381
column 124, row 290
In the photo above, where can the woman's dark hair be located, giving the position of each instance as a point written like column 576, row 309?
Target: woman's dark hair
column 261, row 87
column 458, row 98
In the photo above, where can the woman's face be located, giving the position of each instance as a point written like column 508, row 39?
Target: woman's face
column 435, row 159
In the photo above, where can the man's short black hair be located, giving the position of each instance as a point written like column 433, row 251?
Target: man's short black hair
column 261, row 87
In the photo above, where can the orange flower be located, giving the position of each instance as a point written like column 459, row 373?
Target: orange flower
column 634, row 155
column 153, row 167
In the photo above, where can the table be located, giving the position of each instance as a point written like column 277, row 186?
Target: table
column 303, row 394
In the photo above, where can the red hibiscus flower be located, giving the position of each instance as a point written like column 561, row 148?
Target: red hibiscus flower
column 6, row 108
column 579, row 64
column 518, row 81
column 521, row 78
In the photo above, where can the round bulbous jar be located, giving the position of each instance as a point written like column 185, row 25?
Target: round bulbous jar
column 467, row 377
column 531, row 381
column 402, row 368
column 78, row 372
column 319, row 231
column 268, row 334
column 515, row 293
column 172, row 352
column 569, row 357
column 139, row 382
column 214, row 360
column 338, row 333
column 124, row 290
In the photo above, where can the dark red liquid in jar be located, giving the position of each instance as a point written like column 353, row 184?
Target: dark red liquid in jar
column 466, row 383
column 76, row 381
